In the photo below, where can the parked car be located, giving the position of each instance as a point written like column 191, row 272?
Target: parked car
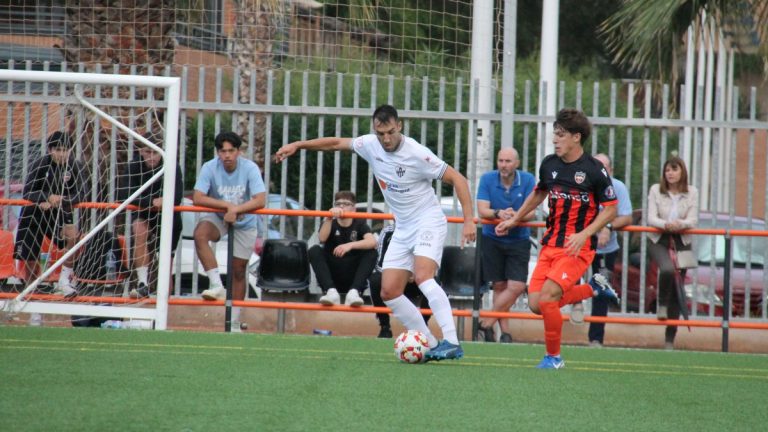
column 699, row 280
column 187, row 263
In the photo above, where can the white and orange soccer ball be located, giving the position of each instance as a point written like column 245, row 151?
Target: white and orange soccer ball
column 411, row 346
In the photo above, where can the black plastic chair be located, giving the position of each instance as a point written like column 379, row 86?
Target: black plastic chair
column 457, row 271
column 284, row 269
column 458, row 278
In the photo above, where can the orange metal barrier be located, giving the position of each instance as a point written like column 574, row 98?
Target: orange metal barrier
column 387, row 216
column 744, row 325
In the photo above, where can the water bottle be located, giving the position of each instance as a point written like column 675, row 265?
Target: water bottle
column 44, row 256
column 138, row 324
column 35, row 319
column 111, row 265
column 112, row 324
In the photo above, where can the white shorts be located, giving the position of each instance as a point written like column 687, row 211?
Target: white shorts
column 245, row 239
column 424, row 238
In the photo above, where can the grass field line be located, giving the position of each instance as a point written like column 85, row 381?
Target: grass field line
column 605, row 364
column 202, row 348
column 380, row 358
column 318, row 354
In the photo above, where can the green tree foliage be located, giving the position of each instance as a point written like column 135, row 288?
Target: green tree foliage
column 578, row 34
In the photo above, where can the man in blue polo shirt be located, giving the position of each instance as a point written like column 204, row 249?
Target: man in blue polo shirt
column 505, row 258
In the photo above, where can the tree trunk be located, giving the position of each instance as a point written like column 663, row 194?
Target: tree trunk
column 118, row 35
column 252, row 54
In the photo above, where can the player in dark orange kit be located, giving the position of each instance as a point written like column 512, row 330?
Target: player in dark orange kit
column 576, row 184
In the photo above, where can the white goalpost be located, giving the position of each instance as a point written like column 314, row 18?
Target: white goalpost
column 108, row 117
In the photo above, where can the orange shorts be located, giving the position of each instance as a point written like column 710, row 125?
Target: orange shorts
column 565, row 270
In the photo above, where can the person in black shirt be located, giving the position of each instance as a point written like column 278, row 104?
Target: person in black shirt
column 146, row 220
column 55, row 184
column 347, row 257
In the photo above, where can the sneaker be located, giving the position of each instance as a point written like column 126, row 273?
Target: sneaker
column 602, row 288
column 352, row 299
column 142, row 291
column 669, row 346
column 330, row 298
column 65, row 290
column 485, row 334
column 551, row 362
column 505, row 338
column 577, row 314
column 445, row 351
column 385, row 333
column 595, row 344
column 215, row 293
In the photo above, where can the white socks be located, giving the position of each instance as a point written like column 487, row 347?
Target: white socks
column 142, row 275
column 214, row 278
column 441, row 309
column 65, row 275
column 409, row 315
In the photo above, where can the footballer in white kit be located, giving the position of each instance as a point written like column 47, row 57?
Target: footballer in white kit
column 405, row 171
column 405, row 178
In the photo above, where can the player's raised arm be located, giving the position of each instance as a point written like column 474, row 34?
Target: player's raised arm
column 461, row 186
column 317, row 144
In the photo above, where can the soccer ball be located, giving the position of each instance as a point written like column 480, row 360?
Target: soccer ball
column 411, row 346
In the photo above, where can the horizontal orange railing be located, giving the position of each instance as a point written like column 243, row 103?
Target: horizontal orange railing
column 730, row 324
column 744, row 325
column 388, row 216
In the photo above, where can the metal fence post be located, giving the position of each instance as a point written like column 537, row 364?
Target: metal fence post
column 228, row 302
column 727, row 289
column 478, row 284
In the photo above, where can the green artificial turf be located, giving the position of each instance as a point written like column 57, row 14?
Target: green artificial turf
column 95, row 379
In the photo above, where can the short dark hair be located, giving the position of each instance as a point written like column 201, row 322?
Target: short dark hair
column 60, row 139
column 574, row 121
column 385, row 113
column 229, row 137
column 155, row 138
column 345, row 194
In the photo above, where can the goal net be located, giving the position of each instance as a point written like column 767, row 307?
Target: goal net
column 86, row 197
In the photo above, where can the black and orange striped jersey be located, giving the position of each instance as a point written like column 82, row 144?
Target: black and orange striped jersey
column 576, row 190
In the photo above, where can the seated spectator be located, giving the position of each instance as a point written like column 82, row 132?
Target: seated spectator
column 412, row 290
column 233, row 184
column 146, row 221
column 347, row 256
column 55, row 183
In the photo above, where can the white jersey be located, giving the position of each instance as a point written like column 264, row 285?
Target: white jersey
column 405, row 176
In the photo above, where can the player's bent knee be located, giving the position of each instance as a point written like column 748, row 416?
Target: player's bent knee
column 389, row 294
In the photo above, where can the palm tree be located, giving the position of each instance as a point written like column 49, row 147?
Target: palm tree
column 252, row 43
column 257, row 25
column 104, row 35
column 648, row 36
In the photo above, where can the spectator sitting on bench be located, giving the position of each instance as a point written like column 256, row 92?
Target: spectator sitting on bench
column 347, row 256
column 412, row 290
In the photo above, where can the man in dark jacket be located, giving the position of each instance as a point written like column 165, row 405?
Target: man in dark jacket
column 55, row 184
column 146, row 220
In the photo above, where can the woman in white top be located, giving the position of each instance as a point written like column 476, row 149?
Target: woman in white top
column 673, row 206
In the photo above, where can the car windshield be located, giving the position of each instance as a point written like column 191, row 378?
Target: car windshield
column 742, row 247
